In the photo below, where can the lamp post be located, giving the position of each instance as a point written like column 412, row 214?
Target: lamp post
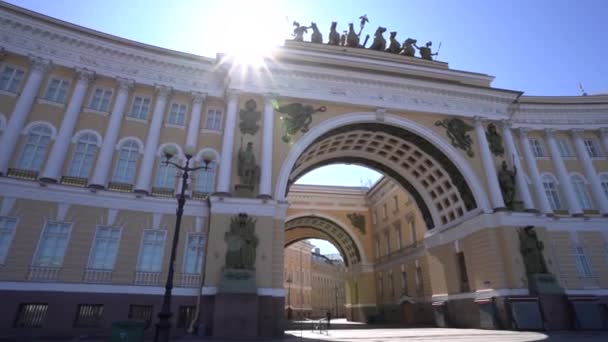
column 289, row 281
column 163, row 327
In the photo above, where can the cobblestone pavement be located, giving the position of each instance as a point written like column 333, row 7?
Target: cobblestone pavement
column 438, row 334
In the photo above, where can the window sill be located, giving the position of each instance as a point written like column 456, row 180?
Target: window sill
column 95, row 111
column 8, row 93
column 130, row 118
column 569, row 158
column 212, row 131
column 182, row 127
column 50, row 103
column 542, row 158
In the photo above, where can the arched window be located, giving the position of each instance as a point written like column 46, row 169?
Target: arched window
column 551, row 192
column 126, row 163
column 84, row 156
column 36, row 145
column 582, row 193
column 604, row 181
column 165, row 177
column 205, row 179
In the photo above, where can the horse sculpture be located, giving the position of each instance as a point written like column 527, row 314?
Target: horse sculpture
column 394, row 46
column 316, row 36
column 352, row 39
column 334, row 36
column 379, row 43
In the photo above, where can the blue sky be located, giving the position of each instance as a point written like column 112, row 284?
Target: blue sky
column 540, row 47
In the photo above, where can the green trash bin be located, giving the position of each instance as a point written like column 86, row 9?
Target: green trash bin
column 128, row 331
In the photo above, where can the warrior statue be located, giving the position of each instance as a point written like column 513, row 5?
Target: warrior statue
column 316, row 36
column 242, row 243
column 457, row 131
column 532, row 251
column 248, row 170
column 297, row 118
column 425, row 51
column 299, row 31
column 379, row 42
column 394, row 46
column 506, row 179
column 408, row 48
column 334, row 36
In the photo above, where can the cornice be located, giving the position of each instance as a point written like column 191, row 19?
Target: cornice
column 109, row 56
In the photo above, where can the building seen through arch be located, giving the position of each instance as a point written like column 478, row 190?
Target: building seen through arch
column 493, row 211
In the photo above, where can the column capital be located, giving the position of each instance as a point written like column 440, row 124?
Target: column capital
column 162, row 90
column 506, row 123
column 479, row 119
column 124, row 84
column 85, row 75
column 40, row 64
column 233, row 94
column 549, row 132
column 523, row 131
column 576, row 132
column 198, row 97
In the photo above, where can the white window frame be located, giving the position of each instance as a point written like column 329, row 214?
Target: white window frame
column 177, row 114
column 555, row 200
column 141, row 248
column 604, row 183
column 46, row 223
column 166, row 173
column 538, row 148
column 12, row 78
column 140, row 114
column 104, row 91
column 93, row 245
column 210, row 174
column 10, row 238
column 86, row 153
column 136, row 150
column 581, row 189
column 593, row 147
column 202, row 256
column 583, row 266
column 58, row 91
column 20, row 164
column 210, row 124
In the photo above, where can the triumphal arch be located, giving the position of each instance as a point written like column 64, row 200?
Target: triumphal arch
column 492, row 212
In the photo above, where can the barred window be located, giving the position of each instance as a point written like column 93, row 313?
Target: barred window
column 88, row 315
column 141, row 313
column 31, row 315
column 186, row 314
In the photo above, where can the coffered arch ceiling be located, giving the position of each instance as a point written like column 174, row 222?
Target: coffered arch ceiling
column 314, row 227
column 432, row 179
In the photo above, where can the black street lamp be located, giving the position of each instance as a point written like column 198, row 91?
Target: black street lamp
column 163, row 327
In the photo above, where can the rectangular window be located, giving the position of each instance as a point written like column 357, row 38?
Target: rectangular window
column 152, row 249
column 100, row 100
column 141, row 313
column 593, row 148
column 56, row 90
column 399, row 235
column 105, row 248
column 374, row 217
column 88, row 315
column 7, row 232
column 52, row 245
column 214, row 120
column 31, row 315
column 419, row 282
column 10, row 79
column 582, row 264
column 384, row 212
column 195, row 249
column 177, row 115
column 380, row 286
column 412, row 226
column 537, row 147
column 403, row 281
column 387, row 239
column 391, row 285
column 462, row 270
column 186, row 314
column 565, row 148
column 396, row 202
column 140, row 107
column 377, row 240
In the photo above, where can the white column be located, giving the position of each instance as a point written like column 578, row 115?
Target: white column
column 195, row 119
column 22, row 109
column 594, row 180
column 574, row 207
column 604, row 136
column 488, row 166
column 225, row 174
column 513, row 159
column 147, row 164
column 108, row 146
column 54, row 165
column 541, row 197
column 267, row 140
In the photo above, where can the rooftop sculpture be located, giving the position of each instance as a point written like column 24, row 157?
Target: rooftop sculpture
column 352, row 39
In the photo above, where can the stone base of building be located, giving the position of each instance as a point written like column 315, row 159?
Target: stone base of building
column 248, row 316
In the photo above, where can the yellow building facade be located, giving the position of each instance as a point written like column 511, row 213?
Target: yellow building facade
column 87, row 206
